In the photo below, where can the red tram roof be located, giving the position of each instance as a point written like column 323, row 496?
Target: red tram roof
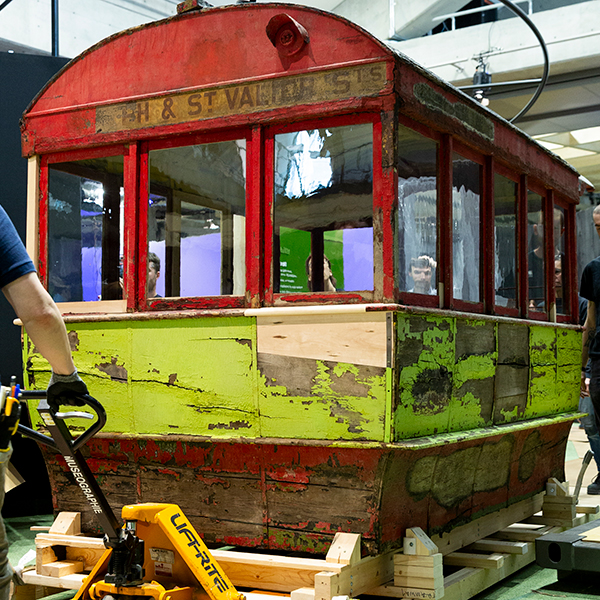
column 229, row 46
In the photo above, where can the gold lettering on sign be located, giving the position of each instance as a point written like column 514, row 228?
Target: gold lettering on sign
column 306, row 88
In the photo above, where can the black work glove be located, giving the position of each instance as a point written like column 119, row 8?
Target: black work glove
column 66, row 390
column 9, row 421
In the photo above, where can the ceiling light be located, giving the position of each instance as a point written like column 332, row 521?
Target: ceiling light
column 550, row 145
column 587, row 135
column 568, row 153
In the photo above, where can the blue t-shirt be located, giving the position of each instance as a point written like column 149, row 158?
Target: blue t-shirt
column 14, row 260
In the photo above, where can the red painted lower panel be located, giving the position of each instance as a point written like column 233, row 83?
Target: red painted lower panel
column 296, row 497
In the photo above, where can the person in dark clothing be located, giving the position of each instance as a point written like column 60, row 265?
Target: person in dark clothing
column 44, row 325
column 590, row 290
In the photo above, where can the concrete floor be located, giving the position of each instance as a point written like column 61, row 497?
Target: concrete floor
column 530, row 583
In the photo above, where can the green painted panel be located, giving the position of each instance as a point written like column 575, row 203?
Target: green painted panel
column 425, row 361
column 568, row 347
column 191, row 377
column 542, row 345
column 542, row 398
column 327, row 410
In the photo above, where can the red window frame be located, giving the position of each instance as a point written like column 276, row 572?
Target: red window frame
column 569, row 275
column 410, row 298
column 536, row 187
column 484, row 280
column 380, row 200
column 43, row 209
column 490, row 239
column 196, row 302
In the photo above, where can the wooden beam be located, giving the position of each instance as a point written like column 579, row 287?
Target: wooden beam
column 61, row 568
column 467, row 534
column 468, row 559
column 68, row 582
column 504, row 546
column 370, row 572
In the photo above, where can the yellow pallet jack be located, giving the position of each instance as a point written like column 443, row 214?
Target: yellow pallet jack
column 156, row 553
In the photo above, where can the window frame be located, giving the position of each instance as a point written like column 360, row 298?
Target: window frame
column 403, row 296
column 272, row 298
column 142, row 303
column 450, row 302
column 536, row 187
column 507, row 173
column 46, row 161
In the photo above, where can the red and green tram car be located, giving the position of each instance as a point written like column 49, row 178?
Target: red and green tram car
column 316, row 288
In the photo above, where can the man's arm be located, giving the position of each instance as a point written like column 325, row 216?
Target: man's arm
column 42, row 321
column 589, row 333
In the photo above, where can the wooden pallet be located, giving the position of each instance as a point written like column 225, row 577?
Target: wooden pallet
column 478, row 555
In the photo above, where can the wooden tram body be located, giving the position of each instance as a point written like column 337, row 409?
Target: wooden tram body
column 276, row 415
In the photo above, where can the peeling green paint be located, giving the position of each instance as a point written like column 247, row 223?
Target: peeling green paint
column 204, row 377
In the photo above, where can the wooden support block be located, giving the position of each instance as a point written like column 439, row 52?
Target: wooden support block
column 61, row 568
column 412, row 571
column 541, row 520
column 556, row 488
column 67, row 523
column 345, row 549
column 303, row 594
column 417, row 542
column 588, row 510
column 419, row 572
column 418, row 561
column 43, row 556
column 559, row 500
column 68, row 582
column 557, row 511
column 481, row 561
column 503, row 546
column 88, row 556
column 370, row 572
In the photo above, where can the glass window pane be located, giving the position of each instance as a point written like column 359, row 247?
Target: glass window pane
column 466, row 194
column 85, row 230
column 417, row 212
column 505, row 236
column 196, row 220
column 559, row 263
column 535, row 256
column 324, row 206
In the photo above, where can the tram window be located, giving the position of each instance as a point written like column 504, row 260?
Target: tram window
column 505, row 238
column 466, row 194
column 85, row 230
column 559, row 262
column 417, row 212
column 323, row 206
column 535, row 255
column 196, row 219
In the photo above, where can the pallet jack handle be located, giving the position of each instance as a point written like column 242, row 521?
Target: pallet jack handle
column 60, row 439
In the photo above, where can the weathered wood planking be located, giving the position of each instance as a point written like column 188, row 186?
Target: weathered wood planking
column 359, row 339
column 297, row 496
